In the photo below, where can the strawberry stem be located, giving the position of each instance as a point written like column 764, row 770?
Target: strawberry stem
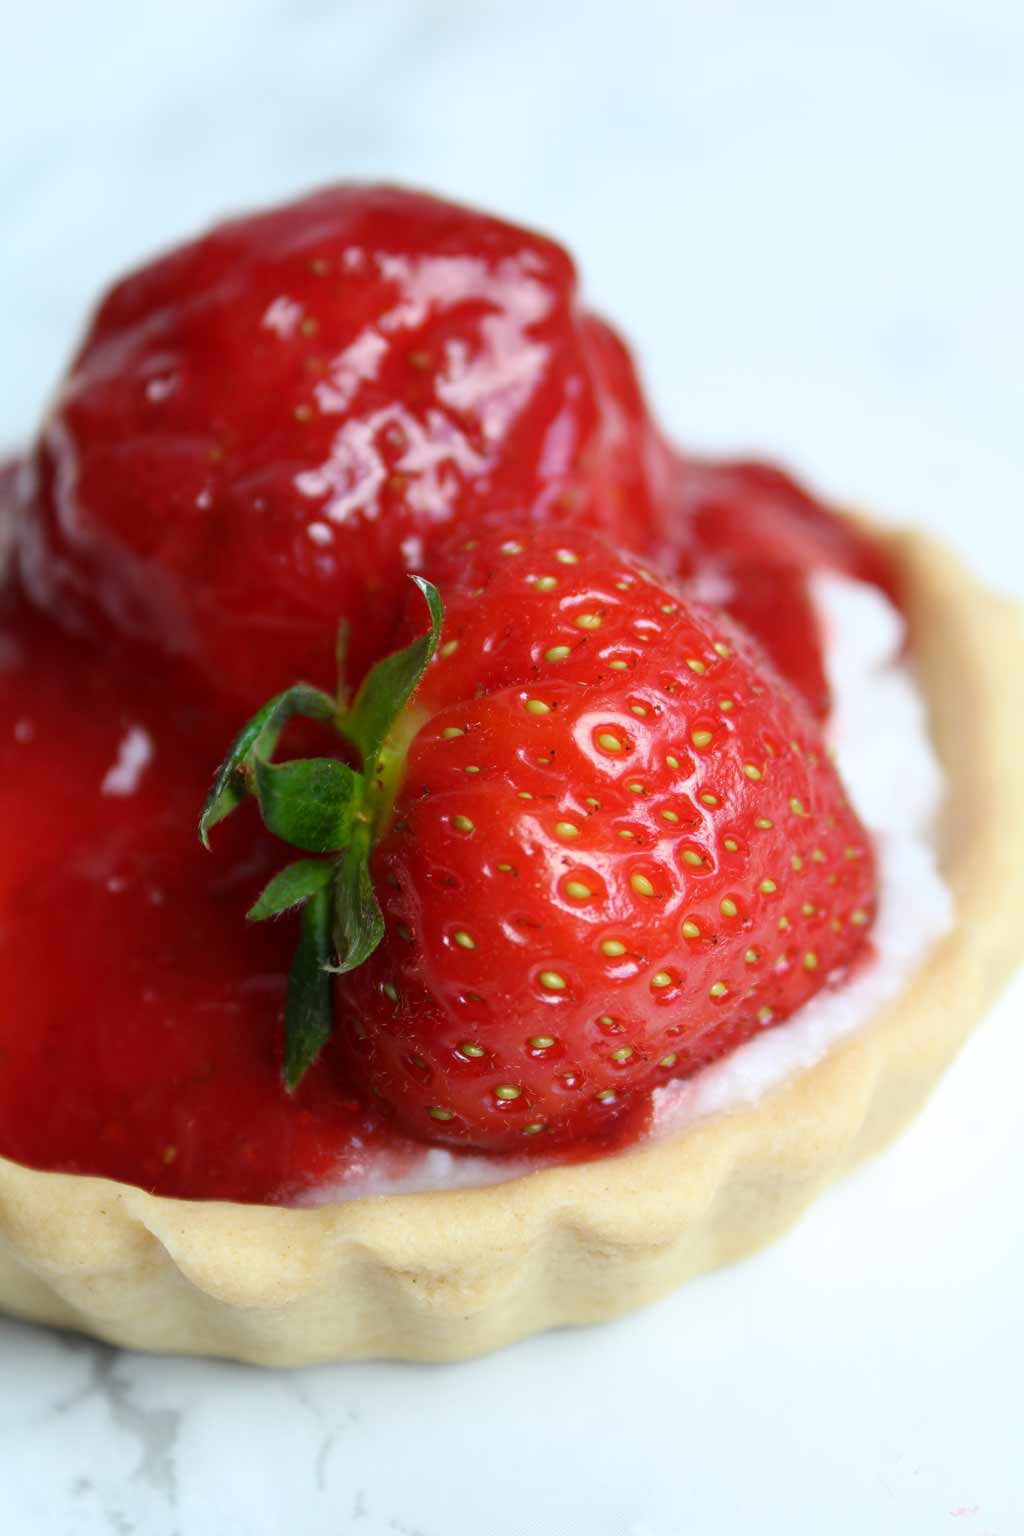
column 323, row 806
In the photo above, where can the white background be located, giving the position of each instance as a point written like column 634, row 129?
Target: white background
column 808, row 217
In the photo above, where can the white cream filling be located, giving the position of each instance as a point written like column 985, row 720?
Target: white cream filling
column 878, row 730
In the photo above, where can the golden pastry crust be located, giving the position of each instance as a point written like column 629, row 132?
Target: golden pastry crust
column 451, row 1274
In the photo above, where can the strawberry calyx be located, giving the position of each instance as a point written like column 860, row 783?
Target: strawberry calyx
column 326, row 807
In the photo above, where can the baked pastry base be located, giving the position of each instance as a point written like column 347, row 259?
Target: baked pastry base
column 447, row 1275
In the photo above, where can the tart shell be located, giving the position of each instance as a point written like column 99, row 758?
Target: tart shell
column 447, row 1275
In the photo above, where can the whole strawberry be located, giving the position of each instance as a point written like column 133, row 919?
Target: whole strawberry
column 602, row 845
column 263, row 429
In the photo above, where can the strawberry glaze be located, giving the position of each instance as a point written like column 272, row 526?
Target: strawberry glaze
column 140, row 1036
column 140, row 1031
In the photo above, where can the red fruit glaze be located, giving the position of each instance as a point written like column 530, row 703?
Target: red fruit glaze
column 773, row 603
column 140, row 1034
column 262, row 428
column 750, row 536
column 755, row 512
column 619, row 849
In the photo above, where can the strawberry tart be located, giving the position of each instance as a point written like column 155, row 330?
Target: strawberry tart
column 468, row 866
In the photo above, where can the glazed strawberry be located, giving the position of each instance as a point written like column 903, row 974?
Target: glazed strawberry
column 773, row 603
column 607, row 846
column 756, row 512
column 749, row 537
column 263, row 429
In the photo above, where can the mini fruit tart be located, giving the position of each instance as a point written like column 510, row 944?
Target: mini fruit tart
column 609, row 848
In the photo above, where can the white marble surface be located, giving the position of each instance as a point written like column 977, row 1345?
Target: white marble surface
column 809, row 219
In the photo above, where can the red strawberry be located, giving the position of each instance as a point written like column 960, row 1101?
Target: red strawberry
column 614, row 848
column 752, row 536
column 755, row 512
column 261, row 429
column 773, row 604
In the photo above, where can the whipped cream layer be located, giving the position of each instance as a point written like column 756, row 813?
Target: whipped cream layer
column 878, row 722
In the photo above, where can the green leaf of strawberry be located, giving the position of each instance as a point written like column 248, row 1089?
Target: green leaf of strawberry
column 322, row 805
column 308, row 803
column 308, row 1011
column 295, row 884
column 390, row 684
column 258, row 736
column 358, row 923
